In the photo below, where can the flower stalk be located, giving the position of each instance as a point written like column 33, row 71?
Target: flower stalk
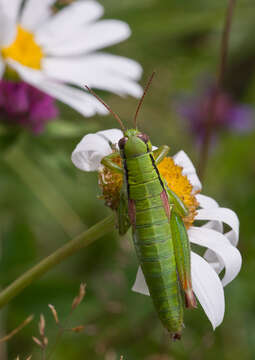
column 204, row 153
column 48, row 263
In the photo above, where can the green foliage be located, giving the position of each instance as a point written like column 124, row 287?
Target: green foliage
column 180, row 40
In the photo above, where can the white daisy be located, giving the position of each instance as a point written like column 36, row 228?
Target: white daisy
column 50, row 50
column 221, row 253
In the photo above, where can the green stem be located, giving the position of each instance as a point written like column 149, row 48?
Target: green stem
column 83, row 240
column 204, row 152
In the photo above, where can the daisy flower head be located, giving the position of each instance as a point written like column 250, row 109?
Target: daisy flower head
column 219, row 246
column 57, row 53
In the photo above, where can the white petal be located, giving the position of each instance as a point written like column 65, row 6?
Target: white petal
column 8, row 29
column 102, row 71
column 209, row 255
column 111, row 135
column 223, row 215
column 220, row 214
column 91, row 37
column 214, row 225
column 64, row 24
column 231, row 235
column 26, row 72
column 92, row 148
column 89, row 66
column 35, row 13
column 140, row 285
column 11, row 8
column 208, row 289
column 2, row 67
column 182, row 159
column 227, row 254
column 81, row 101
column 206, row 201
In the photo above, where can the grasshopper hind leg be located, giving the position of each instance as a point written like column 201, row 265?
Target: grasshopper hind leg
column 181, row 247
column 182, row 256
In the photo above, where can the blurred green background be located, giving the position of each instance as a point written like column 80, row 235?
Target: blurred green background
column 179, row 40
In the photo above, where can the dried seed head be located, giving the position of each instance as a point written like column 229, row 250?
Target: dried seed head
column 78, row 299
column 41, row 325
column 54, row 313
column 45, row 341
column 38, row 342
column 78, row 329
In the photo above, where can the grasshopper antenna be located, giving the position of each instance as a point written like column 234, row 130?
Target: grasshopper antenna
column 107, row 107
column 142, row 98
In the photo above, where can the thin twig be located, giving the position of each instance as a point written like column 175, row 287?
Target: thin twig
column 205, row 148
column 61, row 330
column 58, row 338
column 44, row 353
column 15, row 331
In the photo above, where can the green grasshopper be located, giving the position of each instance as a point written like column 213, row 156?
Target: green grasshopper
column 155, row 213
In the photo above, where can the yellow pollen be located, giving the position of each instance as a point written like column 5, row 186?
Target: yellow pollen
column 111, row 184
column 24, row 49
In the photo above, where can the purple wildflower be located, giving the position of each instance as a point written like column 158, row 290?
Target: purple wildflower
column 24, row 105
column 228, row 115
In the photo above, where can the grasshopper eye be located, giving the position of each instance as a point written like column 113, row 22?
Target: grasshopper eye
column 144, row 137
column 122, row 142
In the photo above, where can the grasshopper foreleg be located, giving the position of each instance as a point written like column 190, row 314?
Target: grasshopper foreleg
column 160, row 153
column 122, row 210
column 108, row 162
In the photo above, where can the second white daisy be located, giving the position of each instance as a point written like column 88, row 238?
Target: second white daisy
column 50, row 51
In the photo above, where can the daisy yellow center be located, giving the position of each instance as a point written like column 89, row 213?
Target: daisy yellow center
column 24, row 49
column 111, row 184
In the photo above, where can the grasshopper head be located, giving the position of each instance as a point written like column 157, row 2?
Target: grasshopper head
column 134, row 143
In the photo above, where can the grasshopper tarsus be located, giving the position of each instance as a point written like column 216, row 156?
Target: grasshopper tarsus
column 190, row 300
column 176, row 336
